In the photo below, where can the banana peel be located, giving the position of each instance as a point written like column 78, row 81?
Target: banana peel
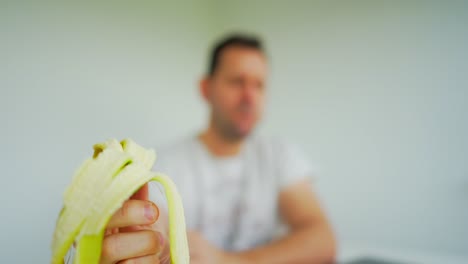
column 99, row 188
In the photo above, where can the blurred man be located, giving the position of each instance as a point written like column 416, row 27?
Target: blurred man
column 239, row 189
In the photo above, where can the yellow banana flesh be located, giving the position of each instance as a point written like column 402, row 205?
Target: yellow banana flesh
column 99, row 188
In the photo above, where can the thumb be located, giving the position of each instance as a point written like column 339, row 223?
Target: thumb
column 141, row 194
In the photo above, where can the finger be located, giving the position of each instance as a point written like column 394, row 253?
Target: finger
column 123, row 246
column 141, row 194
column 150, row 259
column 134, row 212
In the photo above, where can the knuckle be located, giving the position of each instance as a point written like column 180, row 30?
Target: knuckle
column 110, row 248
column 125, row 209
column 152, row 244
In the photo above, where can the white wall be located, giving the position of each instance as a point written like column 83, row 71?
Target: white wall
column 374, row 92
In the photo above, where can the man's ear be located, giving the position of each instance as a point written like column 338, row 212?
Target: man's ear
column 204, row 86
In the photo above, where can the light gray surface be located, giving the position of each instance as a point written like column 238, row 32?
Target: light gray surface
column 395, row 255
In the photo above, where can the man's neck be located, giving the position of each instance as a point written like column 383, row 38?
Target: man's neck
column 218, row 145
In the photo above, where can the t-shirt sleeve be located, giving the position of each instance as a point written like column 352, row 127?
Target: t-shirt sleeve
column 294, row 166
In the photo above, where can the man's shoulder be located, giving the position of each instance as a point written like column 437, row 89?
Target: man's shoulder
column 291, row 162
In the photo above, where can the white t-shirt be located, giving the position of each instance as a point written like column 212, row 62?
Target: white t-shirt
column 233, row 201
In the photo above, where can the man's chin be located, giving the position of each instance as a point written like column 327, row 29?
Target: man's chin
column 236, row 132
column 236, row 135
column 242, row 133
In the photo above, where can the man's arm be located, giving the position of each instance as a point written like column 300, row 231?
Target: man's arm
column 310, row 239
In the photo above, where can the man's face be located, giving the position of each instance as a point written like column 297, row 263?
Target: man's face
column 235, row 91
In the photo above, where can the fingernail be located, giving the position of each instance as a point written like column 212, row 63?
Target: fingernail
column 150, row 211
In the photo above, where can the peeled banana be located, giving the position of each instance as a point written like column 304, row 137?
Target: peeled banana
column 99, row 188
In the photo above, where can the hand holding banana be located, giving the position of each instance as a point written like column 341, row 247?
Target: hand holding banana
column 99, row 189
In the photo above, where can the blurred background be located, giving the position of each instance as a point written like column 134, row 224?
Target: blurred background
column 375, row 92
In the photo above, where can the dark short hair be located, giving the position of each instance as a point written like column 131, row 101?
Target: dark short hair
column 233, row 40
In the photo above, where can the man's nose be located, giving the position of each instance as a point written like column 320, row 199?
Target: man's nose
column 250, row 93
